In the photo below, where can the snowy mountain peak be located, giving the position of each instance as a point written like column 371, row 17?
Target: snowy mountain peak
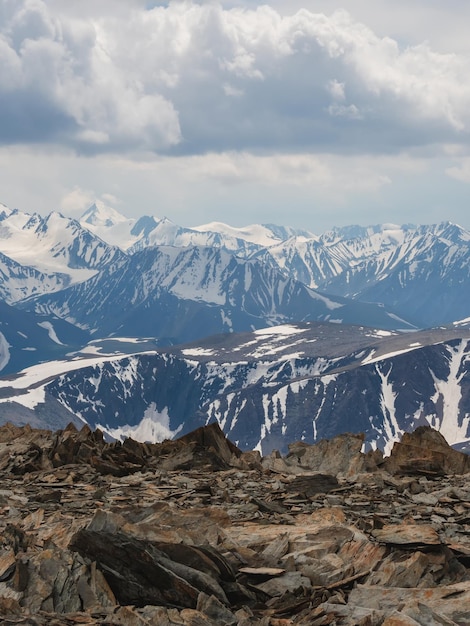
column 454, row 232
column 259, row 234
column 100, row 214
column 144, row 226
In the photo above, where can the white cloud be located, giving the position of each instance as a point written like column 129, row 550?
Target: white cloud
column 315, row 191
column 62, row 86
column 75, row 202
column 198, row 78
column 336, row 89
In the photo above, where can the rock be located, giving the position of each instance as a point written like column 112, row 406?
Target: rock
column 311, row 484
column 212, row 448
column 340, row 456
column 325, row 571
column 399, row 569
column 7, row 565
column 425, row 451
column 452, row 602
column 262, row 572
column 424, row 614
column 275, row 550
column 399, row 619
column 288, row 582
column 140, row 573
column 214, row 610
column 407, row 535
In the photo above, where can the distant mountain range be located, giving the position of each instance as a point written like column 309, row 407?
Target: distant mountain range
column 72, row 287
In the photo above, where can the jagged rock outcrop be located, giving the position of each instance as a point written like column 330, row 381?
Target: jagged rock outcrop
column 40, row 450
column 425, row 451
column 195, row 533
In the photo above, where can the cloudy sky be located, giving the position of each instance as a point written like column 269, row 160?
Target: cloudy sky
column 297, row 112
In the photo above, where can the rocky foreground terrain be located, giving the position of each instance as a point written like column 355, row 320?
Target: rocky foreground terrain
column 194, row 532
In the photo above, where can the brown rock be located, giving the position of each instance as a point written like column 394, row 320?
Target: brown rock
column 160, row 526
column 407, row 535
column 401, row 570
column 212, row 448
column 425, row 451
column 453, row 601
column 142, row 572
column 289, row 582
column 7, row 565
column 338, row 456
column 400, row 619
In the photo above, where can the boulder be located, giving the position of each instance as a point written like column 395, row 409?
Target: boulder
column 340, row 456
column 425, row 451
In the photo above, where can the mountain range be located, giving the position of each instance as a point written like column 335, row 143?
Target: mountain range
column 98, row 308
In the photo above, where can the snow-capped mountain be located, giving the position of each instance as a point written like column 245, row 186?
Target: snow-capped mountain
column 425, row 275
column 53, row 245
column 420, row 273
column 110, row 226
column 306, row 260
column 18, row 282
column 133, row 235
column 266, row 388
column 182, row 294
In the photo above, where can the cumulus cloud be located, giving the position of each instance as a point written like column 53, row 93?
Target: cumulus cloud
column 61, row 86
column 186, row 78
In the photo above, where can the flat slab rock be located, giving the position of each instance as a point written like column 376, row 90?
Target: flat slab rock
column 451, row 601
column 407, row 535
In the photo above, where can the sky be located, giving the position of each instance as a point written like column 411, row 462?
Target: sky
column 309, row 114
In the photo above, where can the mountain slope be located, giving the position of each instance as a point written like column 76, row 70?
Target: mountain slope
column 427, row 277
column 241, row 278
column 26, row 338
column 270, row 387
column 18, row 282
column 187, row 293
column 423, row 273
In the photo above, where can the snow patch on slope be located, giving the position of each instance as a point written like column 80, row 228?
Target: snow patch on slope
column 283, row 329
column 391, row 429
column 153, row 428
column 51, row 332
column 4, row 351
column 450, row 392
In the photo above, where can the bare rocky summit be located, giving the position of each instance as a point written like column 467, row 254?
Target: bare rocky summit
column 194, row 532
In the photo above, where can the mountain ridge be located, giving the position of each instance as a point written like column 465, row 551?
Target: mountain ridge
column 267, row 388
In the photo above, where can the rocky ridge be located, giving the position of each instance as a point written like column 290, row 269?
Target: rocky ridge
column 193, row 532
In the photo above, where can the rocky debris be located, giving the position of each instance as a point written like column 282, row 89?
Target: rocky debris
column 41, row 450
column 194, row 533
